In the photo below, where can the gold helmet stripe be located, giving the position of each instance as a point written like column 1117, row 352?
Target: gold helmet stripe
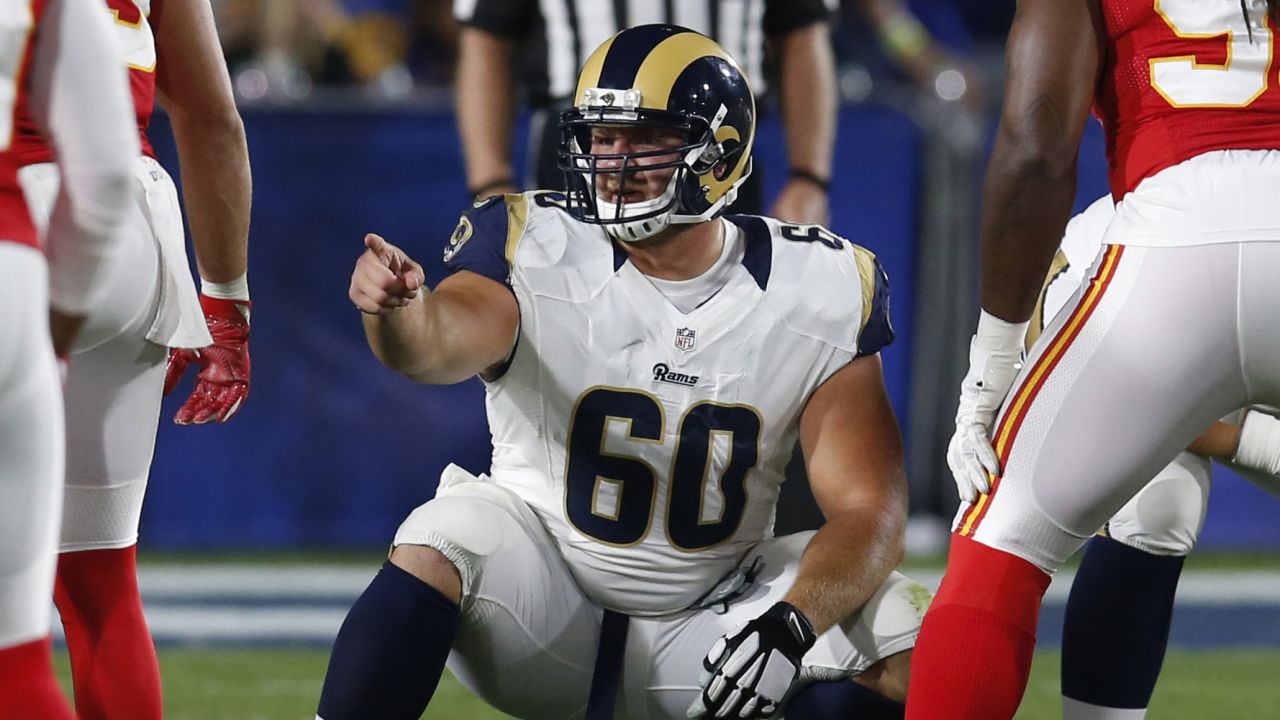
column 590, row 75
column 663, row 65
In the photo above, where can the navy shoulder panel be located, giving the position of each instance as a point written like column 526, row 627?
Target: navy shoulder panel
column 877, row 329
column 757, row 255
column 479, row 242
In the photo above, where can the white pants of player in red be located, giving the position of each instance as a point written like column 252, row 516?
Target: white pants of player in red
column 1162, row 342
column 116, row 373
column 528, row 639
column 31, row 447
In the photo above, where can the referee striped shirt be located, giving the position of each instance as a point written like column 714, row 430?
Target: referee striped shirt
column 565, row 32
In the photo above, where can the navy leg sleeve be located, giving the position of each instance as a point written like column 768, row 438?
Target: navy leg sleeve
column 1117, row 624
column 391, row 650
column 841, row 700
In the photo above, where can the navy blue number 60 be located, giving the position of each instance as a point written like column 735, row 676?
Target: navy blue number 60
column 588, row 465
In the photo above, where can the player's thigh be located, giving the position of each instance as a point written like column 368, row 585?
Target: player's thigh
column 129, row 291
column 1259, row 299
column 31, row 449
column 1115, row 388
column 113, row 395
column 1166, row 515
column 527, row 639
column 664, row 655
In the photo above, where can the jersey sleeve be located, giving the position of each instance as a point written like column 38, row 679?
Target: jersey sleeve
column 875, row 331
column 80, row 97
column 511, row 19
column 783, row 16
column 485, row 238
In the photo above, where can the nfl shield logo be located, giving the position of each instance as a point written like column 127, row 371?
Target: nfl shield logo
column 684, row 339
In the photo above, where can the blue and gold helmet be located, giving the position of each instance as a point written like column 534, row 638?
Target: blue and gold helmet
column 674, row 78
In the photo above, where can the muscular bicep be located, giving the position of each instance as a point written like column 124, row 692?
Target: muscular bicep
column 1053, row 57
column 851, row 443
column 483, row 317
column 191, row 73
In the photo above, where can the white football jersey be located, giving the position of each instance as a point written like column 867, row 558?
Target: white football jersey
column 651, row 443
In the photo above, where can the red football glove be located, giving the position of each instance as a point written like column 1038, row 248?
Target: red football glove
column 223, row 382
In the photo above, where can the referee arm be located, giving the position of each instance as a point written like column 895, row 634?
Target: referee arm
column 807, row 79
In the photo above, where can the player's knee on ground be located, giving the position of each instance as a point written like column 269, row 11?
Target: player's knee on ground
column 1165, row 517
column 888, row 677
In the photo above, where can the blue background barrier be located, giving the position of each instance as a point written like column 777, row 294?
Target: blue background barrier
column 333, row 450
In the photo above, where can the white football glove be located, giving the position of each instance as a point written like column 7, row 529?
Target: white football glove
column 749, row 670
column 995, row 358
column 1259, row 447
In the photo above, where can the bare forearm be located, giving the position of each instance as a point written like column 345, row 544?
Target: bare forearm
column 1052, row 61
column 1220, row 441
column 400, row 338
column 486, row 106
column 217, row 190
column 846, row 562
column 441, row 338
column 1026, row 205
column 807, row 72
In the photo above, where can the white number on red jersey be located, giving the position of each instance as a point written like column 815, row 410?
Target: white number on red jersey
column 1186, row 82
column 133, row 33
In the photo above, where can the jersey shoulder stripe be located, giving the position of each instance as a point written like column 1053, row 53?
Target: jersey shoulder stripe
column 486, row 237
column 757, row 254
column 876, row 329
column 557, row 256
column 822, row 285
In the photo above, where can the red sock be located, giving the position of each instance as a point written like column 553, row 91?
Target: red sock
column 973, row 657
column 113, row 660
column 28, row 688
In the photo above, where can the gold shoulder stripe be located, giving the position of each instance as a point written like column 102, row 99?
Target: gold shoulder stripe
column 590, row 75
column 517, row 217
column 666, row 61
column 867, row 275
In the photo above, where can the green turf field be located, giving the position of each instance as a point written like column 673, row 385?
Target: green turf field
column 264, row 684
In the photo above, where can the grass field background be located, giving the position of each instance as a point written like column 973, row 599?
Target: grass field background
column 284, row 684
column 1228, row 668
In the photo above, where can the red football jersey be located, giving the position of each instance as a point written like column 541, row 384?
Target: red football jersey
column 138, row 47
column 1184, row 77
column 15, row 49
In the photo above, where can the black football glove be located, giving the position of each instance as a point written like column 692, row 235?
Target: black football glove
column 749, row 670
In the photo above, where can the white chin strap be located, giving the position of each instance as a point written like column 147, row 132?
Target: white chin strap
column 619, row 228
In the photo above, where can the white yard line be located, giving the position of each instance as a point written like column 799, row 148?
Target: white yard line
column 299, row 583
column 243, row 603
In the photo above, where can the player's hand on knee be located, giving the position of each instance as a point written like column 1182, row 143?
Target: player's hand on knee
column 995, row 358
column 223, row 381
column 749, row 670
column 968, row 455
column 385, row 278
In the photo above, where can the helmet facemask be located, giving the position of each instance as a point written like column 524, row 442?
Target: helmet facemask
column 698, row 153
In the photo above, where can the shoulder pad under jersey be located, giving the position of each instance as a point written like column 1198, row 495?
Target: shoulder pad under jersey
column 825, row 286
column 558, row 256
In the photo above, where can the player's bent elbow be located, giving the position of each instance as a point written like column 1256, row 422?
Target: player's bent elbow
column 209, row 122
column 1034, row 153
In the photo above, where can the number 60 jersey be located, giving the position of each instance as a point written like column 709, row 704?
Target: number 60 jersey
column 651, row 443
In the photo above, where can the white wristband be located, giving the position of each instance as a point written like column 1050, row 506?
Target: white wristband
column 1259, row 443
column 996, row 335
column 237, row 289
